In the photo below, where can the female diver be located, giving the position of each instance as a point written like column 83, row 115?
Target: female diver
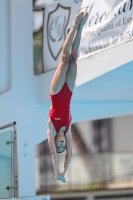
column 59, row 122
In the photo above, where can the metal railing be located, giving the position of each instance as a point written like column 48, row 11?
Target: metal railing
column 8, row 152
column 87, row 172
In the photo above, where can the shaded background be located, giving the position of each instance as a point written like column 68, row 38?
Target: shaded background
column 38, row 11
column 102, row 158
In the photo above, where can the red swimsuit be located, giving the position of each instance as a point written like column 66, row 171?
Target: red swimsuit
column 60, row 113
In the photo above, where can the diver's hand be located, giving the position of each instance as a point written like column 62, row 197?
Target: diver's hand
column 62, row 174
column 61, row 178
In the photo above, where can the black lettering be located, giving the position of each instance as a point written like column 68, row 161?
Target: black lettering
column 128, row 35
column 90, row 49
column 93, row 47
column 91, row 20
column 125, row 20
column 104, row 14
column 120, row 9
column 124, row 8
column 109, row 14
column 131, row 4
column 105, row 43
column 97, row 18
column 115, row 39
column 99, row 31
column 130, row 19
column 118, row 23
column 89, row 12
column 121, row 37
column 83, row 50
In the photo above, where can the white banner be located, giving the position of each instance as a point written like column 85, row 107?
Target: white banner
column 110, row 23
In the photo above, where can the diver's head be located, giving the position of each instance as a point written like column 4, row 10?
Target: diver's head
column 60, row 141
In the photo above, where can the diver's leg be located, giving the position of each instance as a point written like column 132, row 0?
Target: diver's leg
column 59, row 77
column 72, row 69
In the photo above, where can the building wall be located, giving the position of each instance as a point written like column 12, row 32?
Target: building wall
column 5, row 83
column 85, row 128
column 20, row 103
column 91, row 195
column 122, row 133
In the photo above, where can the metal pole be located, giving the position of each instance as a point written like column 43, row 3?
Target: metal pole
column 15, row 163
column 7, row 125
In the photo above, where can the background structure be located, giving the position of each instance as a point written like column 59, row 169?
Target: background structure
column 24, row 97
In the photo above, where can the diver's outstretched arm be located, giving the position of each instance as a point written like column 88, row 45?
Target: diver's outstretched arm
column 52, row 146
column 51, row 143
column 68, row 153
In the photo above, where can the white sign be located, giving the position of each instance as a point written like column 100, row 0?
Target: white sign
column 110, row 23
